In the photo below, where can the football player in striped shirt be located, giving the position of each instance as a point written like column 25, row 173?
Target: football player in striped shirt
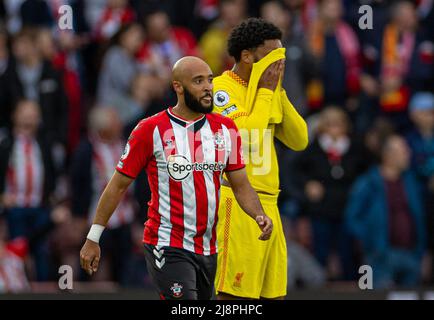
column 184, row 150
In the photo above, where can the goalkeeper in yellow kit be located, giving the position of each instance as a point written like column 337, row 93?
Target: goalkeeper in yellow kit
column 252, row 96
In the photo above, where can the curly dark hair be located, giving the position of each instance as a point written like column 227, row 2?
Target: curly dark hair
column 251, row 34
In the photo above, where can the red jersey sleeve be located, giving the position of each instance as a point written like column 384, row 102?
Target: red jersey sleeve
column 235, row 160
column 138, row 150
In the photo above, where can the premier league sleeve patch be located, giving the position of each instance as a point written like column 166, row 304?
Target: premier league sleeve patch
column 126, row 151
column 221, row 98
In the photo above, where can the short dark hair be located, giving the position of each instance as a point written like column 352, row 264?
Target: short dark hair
column 251, row 34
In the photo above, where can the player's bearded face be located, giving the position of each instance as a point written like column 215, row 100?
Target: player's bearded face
column 199, row 105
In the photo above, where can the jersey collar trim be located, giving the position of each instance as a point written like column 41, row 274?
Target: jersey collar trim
column 237, row 78
column 196, row 124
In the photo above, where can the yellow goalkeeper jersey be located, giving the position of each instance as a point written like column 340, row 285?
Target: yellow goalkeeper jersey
column 259, row 126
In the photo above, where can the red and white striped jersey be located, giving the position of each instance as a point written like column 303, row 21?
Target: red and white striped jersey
column 25, row 174
column 105, row 156
column 184, row 161
column 13, row 277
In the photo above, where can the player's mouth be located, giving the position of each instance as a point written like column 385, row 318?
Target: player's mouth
column 207, row 99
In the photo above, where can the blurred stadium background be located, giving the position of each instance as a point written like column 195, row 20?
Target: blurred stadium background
column 69, row 98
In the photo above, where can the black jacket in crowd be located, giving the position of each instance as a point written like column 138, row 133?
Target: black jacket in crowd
column 52, row 101
column 313, row 164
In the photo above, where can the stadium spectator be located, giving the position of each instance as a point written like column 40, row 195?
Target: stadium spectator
column 206, row 11
column 325, row 172
column 28, row 179
column 276, row 12
column 421, row 138
column 337, row 51
column 93, row 11
column 392, row 75
column 14, row 253
column 304, row 12
column 119, row 66
column 5, row 94
column 164, row 45
column 34, row 78
column 213, row 41
column 374, row 137
column 116, row 14
column 406, row 70
column 139, row 101
column 304, row 270
column 421, row 142
column 63, row 57
column 194, row 15
column 92, row 167
column 13, row 277
column 385, row 213
column 425, row 10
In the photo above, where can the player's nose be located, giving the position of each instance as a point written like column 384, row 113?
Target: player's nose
column 208, row 87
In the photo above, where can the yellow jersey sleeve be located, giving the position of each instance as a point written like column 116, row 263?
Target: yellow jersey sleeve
column 292, row 131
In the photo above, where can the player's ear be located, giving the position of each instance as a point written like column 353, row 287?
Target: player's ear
column 177, row 86
column 247, row 57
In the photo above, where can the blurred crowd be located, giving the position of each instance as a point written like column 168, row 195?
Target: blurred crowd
column 362, row 192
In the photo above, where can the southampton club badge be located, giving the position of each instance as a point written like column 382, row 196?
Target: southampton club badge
column 169, row 144
column 177, row 290
column 219, row 141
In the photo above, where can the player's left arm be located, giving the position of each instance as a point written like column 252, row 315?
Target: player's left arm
column 293, row 129
column 248, row 200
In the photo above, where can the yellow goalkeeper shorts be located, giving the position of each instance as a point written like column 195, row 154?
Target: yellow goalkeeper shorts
column 246, row 266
